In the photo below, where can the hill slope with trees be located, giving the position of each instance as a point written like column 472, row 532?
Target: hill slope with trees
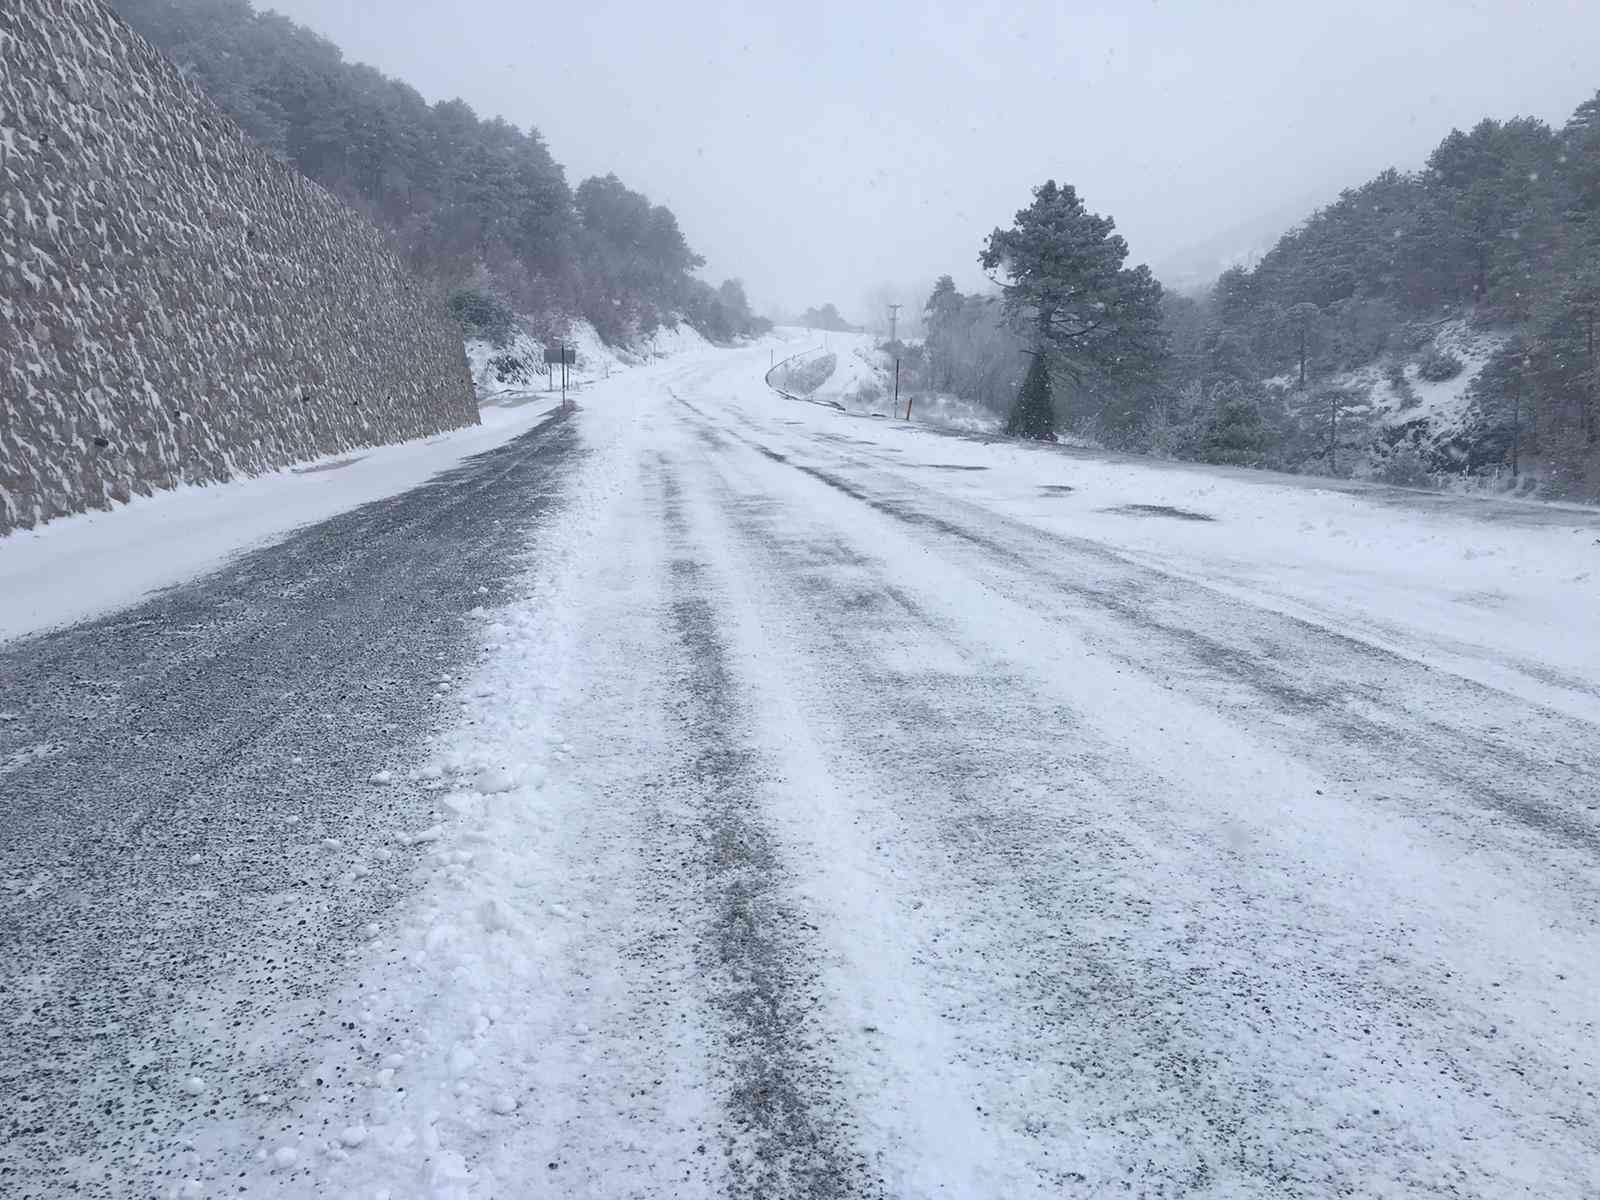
column 472, row 202
column 1427, row 324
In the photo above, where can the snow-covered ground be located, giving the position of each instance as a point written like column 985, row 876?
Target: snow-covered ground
column 846, row 808
column 862, row 381
column 1423, row 414
column 1442, row 402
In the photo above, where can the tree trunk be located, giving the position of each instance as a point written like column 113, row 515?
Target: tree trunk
column 1516, row 428
column 1333, row 433
column 1589, row 422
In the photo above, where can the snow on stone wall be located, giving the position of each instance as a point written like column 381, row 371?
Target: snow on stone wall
column 175, row 304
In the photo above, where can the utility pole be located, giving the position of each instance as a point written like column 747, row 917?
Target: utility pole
column 894, row 324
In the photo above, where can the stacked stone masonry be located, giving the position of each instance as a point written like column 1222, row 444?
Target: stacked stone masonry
column 176, row 305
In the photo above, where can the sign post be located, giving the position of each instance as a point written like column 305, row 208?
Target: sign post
column 566, row 356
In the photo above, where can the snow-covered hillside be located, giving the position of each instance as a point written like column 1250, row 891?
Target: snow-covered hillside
column 862, row 381
column 1404, row 417
column 1404, row 398
column 516, row 371
column 1440, row 402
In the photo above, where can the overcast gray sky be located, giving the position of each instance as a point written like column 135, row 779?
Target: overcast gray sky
column 818, row 150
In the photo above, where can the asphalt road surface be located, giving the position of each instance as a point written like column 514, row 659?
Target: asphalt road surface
column 171, row 779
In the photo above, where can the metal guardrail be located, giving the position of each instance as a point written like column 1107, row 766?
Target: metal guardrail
column 788, row 395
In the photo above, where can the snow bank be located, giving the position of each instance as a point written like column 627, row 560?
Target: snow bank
column 863, row 379
column 81, row 566
column 952, row 412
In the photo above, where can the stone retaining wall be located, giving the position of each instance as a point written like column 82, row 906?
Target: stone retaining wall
column 177, row 306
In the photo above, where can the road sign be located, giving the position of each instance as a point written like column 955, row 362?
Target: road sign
column 566, row 356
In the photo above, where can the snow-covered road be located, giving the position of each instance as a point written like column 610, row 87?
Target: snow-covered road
column 839, row 808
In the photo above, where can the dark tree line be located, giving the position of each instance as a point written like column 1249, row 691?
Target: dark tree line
column 826, row 317
column 1500, row 228
column 969, row 349
column 476, row 203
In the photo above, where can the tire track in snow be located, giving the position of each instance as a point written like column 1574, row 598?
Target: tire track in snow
column 786, row 1136
column 1532, row 764
column 1047, row 1011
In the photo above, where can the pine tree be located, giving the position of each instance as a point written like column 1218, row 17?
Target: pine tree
column 941, row 318
column 1236, row 433
column 1067, row 291
column 1034, row 413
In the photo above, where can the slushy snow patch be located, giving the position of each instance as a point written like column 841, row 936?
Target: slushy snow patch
column 495, row 779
